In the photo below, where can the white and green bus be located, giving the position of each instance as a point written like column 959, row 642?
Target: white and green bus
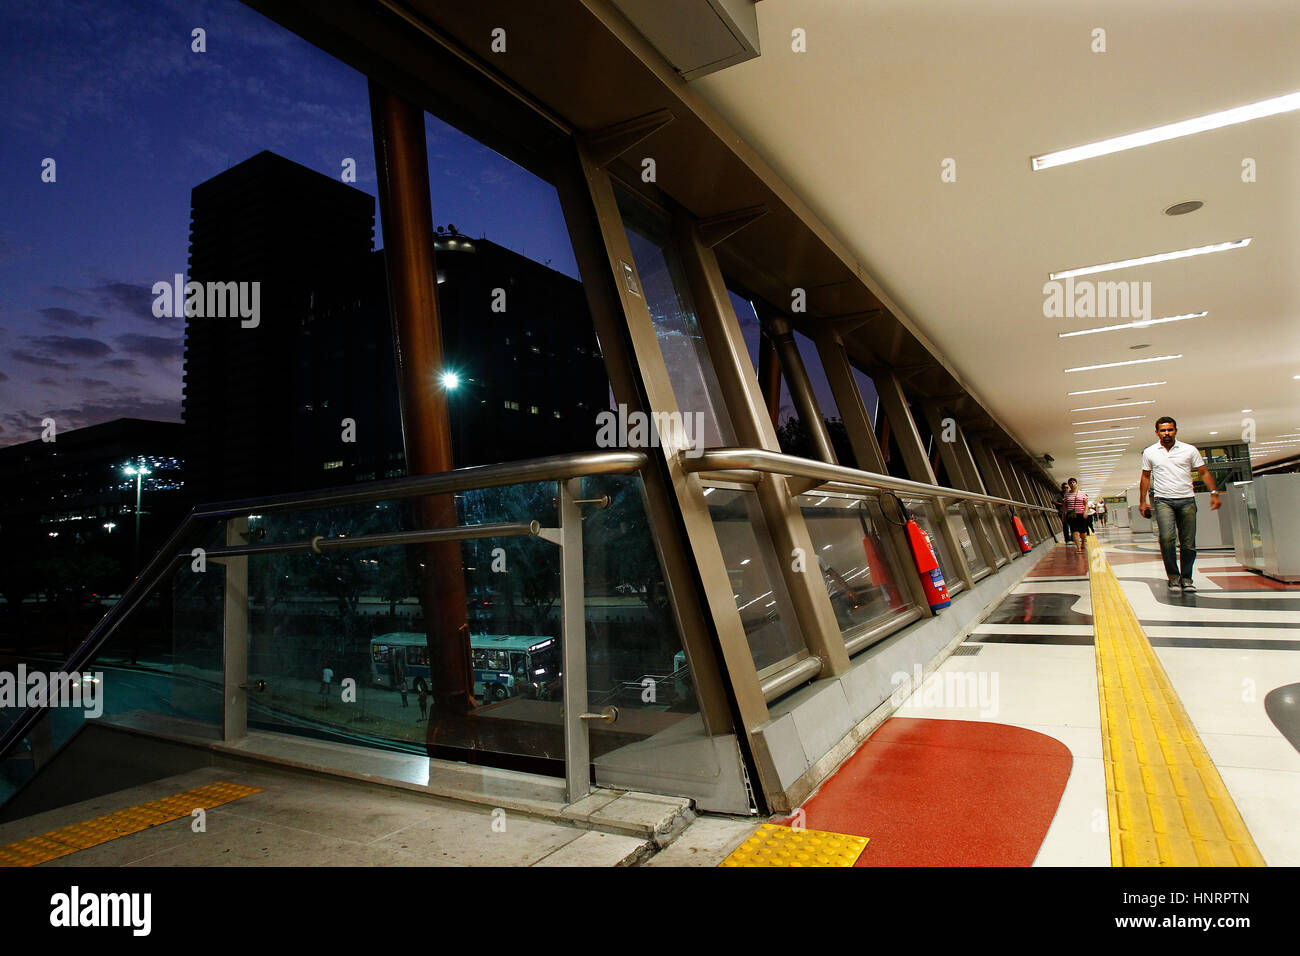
column 505, row 665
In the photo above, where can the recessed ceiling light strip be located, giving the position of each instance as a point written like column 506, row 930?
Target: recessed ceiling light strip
column 1149, row 260
column 1157, row 358
column 1161, row 134
column 1114, row 388
column 1140, row 324
column 1094, row 408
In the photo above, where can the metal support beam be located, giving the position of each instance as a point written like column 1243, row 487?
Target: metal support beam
column 622, row 316
column 673, row 546
column 234, row 638
column 801, row 391
column 993, row 479
column 402, row 164
column 740, row 391
column 894, row 405
column 960, row 478
column 608, row 144
column 577, row 745
column 988, row 516
column 839, row 373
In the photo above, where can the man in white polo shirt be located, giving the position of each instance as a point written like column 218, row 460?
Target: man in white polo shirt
column 1167, row 474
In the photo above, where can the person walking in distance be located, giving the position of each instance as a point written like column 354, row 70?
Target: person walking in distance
column 1075, row 505
column 1167, row 474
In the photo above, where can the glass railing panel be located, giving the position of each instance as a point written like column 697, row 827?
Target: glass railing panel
column 962, row 518
column 756, row 581
column 923, row 513
column 856, row 559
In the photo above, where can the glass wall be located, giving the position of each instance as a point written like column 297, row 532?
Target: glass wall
column 858, row 563
column 757, row 584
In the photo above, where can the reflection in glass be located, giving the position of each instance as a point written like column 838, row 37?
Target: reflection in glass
column 922, row 513
column 960, row 513
column 676, row 326
column 856, row 560
column 756, row 585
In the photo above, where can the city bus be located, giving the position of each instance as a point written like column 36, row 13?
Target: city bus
column 505, row 665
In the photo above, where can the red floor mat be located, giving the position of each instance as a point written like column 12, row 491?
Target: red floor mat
column 946, row 793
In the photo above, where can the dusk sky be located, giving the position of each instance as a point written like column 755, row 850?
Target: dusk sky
column 134, row 119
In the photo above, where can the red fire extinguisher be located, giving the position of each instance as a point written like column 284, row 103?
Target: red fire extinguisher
column 1023, row 535
column 936, row 591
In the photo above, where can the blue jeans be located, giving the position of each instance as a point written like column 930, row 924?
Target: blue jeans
column 1176, row 522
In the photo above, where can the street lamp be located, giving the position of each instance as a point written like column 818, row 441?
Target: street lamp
column 139, row 470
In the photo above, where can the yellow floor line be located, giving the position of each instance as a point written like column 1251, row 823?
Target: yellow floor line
column 775, row 845
column 81, row 836
column 1167, row 803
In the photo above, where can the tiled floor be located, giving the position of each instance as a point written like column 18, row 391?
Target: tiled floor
column 1224, row 649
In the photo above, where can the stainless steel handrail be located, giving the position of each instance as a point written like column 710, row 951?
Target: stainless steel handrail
column 552, row 468
column 777, row 463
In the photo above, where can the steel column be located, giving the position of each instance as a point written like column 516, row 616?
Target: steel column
column 894, row 406
column 960, row 478
column 577, row 745
column 573, row 177
column 402, row 165
column 635, row 325
column 234, row 638
column 741, row 394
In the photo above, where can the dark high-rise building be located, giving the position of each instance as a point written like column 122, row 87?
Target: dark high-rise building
column 262, row 394
column 307, row 397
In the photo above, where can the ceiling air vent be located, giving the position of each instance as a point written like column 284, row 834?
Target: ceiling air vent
column 697, row 37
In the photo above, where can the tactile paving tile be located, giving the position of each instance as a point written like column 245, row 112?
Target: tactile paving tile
column 82, row 836
column 1167, row 804
column 776, row 845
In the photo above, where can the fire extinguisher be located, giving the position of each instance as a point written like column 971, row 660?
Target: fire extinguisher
column 1023, row 535
column 936, row 591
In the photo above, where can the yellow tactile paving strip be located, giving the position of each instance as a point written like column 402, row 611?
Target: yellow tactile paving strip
column 1167, row 803
column 776, row 845
column 81, row 836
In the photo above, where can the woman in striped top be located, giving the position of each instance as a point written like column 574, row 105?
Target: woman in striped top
column 1076, row 512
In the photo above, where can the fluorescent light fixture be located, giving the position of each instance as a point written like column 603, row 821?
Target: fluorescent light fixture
column 1140, row 324
column 1115, row 388
column 1158, row 358
column 1160, row 134
column 1094, row 408
column 1099, row 421
column 1148, row 260
column 1103, row 431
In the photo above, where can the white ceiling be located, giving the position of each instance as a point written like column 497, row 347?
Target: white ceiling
column 860, row 123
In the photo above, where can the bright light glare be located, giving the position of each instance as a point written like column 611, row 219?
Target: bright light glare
column 1115, row 388
column 1161, row 134
column 1148, row 260
column 1140, row 324
column 1158, row 358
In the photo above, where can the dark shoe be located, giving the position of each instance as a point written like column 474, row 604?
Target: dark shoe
column 1174, row 582
column 1188, row 585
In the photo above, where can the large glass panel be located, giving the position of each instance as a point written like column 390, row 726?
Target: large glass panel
column 361, row 614
column 856, row 559
column 756, row 582
column 695, row 385
column 962, row 520
column 923, row 514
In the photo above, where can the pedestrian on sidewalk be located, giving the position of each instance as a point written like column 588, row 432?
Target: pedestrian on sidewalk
column 1167, row 474
column 1075, row 505
column 326, row 679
